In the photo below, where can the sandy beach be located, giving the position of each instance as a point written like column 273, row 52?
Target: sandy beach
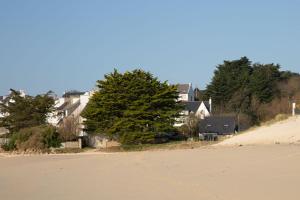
column 235, row 173
column 282, row 132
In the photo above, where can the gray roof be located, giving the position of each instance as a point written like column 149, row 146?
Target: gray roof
column 72, row 93
column 62, row 106
column 206, row 103
column 183, row 88
column 71, row 107
column 222, row 125
column 191, row 105
column 68, row 106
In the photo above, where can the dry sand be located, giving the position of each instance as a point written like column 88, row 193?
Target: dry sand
column 235, row 173
column 284, row 132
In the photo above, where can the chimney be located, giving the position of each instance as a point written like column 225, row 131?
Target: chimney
column 210, row 105
column 294, row 108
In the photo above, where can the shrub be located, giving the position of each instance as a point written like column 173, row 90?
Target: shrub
column 8, row 146
column 137, row 138
column 34, row 138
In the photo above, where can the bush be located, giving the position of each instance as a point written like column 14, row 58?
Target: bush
column 8, row 146
column 130, row 138
column 34, row 138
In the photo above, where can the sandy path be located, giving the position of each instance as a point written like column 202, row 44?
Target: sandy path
column 284, row 132
column 211, row 173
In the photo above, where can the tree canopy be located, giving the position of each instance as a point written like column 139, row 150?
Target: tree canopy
column 23, row 112
column 132, row 107
column 239, row 86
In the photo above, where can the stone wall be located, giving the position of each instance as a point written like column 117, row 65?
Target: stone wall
column 97, row 141
column 72, row 144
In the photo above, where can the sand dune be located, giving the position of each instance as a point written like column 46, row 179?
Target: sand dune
column 247, row 173
column 266, row 172
column 284, row 132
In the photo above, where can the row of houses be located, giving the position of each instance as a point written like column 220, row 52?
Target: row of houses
column 72, row 103
column 208, row 123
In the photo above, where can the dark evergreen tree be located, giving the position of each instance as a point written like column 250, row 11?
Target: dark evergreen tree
column 132, row 107
column 263, row 82
column 198, row 94
column 242, row 88
column 230, row 83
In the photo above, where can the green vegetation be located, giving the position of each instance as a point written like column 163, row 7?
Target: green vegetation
column 136, row 109
column 34, row 138
column 172, row 145
column 26, row 121
column 132, row 108
column 24, row 112
column 255, row 92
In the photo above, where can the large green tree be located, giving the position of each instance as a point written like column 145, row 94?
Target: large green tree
column 132, row 107
column 23, row 112
column 228, row 88
column 263, row 82
column 242, row 88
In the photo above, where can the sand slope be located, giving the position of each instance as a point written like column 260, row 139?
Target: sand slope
column 284, row 132
column 238, row 173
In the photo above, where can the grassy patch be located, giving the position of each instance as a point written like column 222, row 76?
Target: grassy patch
column 68, row 150
column 165, row 146
column 278, row 118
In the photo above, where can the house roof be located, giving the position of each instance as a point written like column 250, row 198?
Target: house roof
column 191, row 105
column 183, row 88
column 71, row 107
column 62, row 106
column 72, row 93
column 223, row 125
column 206, row 103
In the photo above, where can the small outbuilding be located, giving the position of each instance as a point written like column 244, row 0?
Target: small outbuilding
column 221, row 125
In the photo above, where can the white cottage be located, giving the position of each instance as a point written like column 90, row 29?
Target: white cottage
column 70, row 105
column 201, row 109
column 186, row 92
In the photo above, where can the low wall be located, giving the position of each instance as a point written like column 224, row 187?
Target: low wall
column 101, row 142
column 72, row 144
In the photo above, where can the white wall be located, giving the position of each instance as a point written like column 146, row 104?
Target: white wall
column 202, row 112
column 189, row 96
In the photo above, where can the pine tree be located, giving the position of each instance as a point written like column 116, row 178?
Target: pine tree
column 240, row 87
column 230, row 82
column 132, row 107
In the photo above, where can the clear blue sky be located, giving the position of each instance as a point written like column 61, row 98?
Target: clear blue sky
column 63, row 44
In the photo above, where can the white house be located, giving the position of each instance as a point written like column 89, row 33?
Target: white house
column 201, row 109
column 70, row 105
column 186, row 92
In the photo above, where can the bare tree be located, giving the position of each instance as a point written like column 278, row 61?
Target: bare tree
column 192, row 123
column 69, row 129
